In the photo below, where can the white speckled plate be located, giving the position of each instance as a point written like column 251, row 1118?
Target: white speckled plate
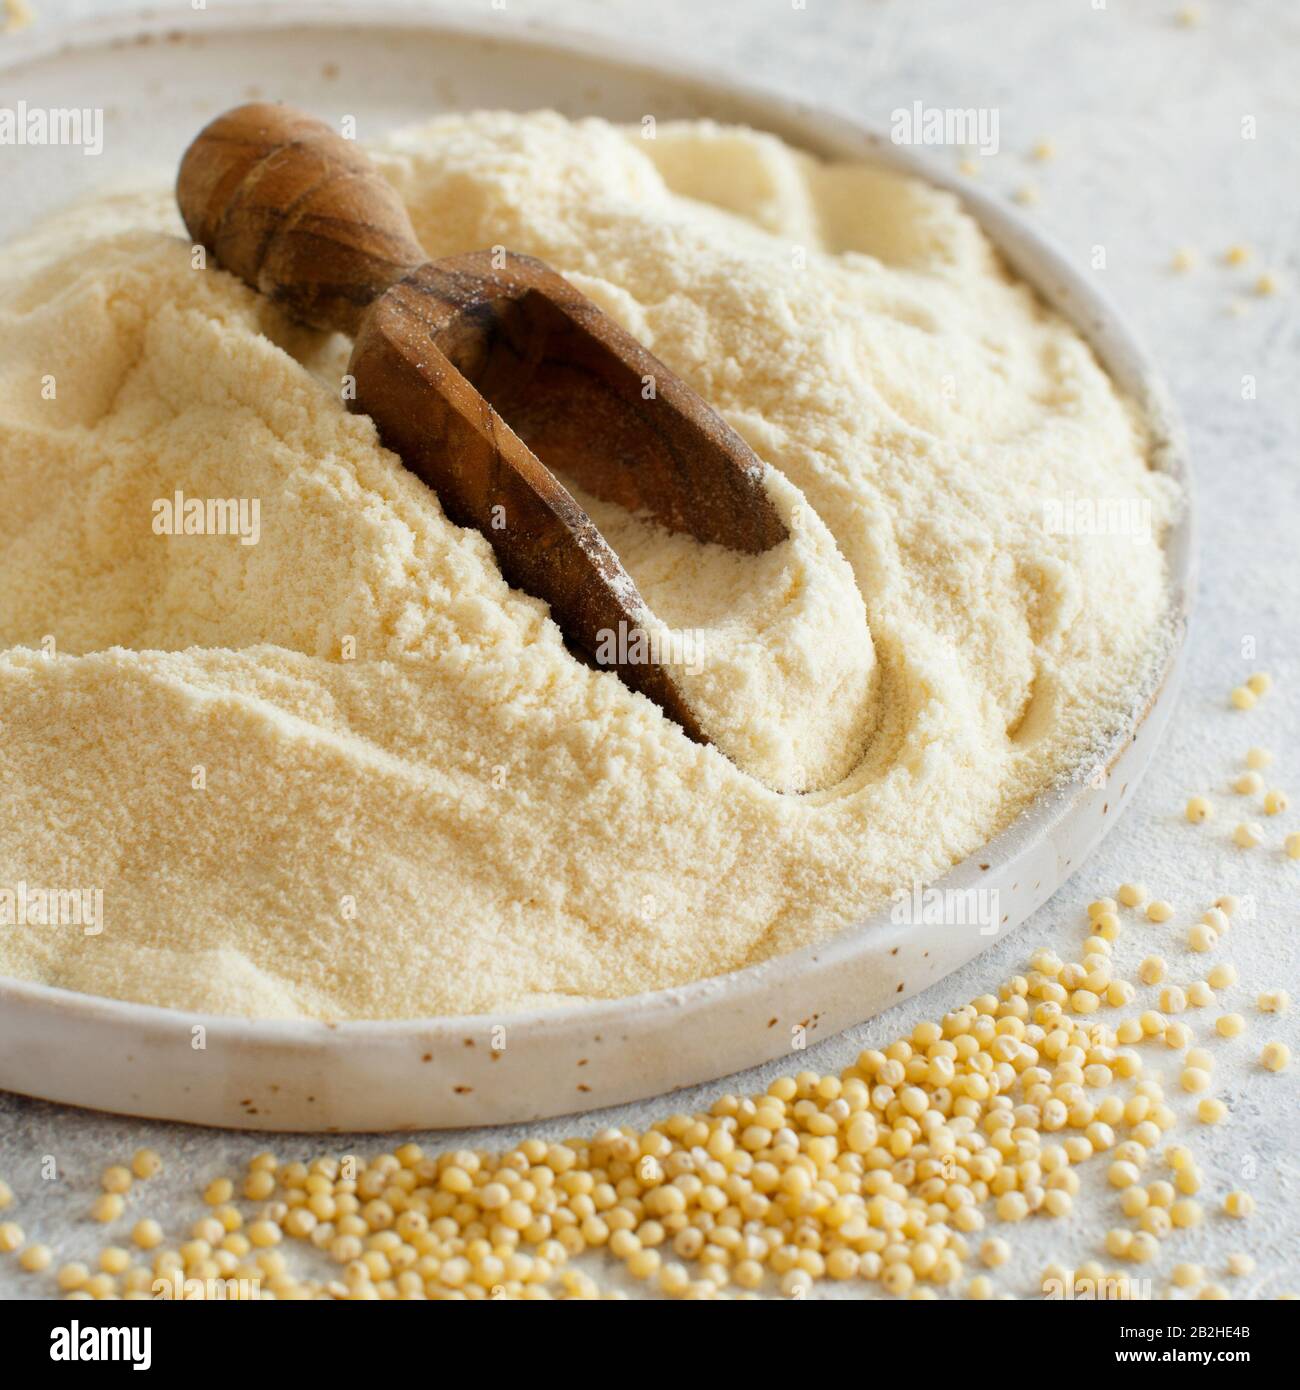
column 158, row 81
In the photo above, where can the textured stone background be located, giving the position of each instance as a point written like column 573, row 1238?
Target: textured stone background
column 1146, row 115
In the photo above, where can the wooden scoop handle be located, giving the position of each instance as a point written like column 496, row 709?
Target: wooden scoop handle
column 297, row 212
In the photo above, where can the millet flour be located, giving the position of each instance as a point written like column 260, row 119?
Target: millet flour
column 345, row 771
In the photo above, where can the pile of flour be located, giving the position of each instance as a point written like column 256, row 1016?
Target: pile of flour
column 347, row 772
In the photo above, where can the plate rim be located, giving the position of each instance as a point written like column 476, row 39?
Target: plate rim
column 1036, row 821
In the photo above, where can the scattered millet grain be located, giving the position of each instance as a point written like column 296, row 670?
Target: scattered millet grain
column 1247, row 835
column 146, row 1163
column 35, row 1258
column 1199, row 810
column 1202, row 937
column 116, row 1179
column 107, row 1207
column 1276, row 1056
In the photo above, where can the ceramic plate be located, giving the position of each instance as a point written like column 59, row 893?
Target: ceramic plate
column 158, row 81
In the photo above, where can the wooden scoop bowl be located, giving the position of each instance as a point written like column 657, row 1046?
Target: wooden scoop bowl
column 478, row 371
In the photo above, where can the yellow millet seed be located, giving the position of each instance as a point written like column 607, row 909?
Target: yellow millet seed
column 1188, row 1181
column 1239, row 1205
column 1158, row 910
column 1194, row 1079
column 259, row 1185
column 72, row 1276
column 35, row 1258
column 1152, row 970
column 146, row 1163
column 219, row 1190
column 994, row 1252
column 1249, row 784
column 113, row 1259
column 1100, row 906
column 1237, row 1265
column 1243, row 697
column 1261, row 683
column 1134, row 1200
column 1211, row 1111
column 1229, row 1025
column 1218, row 919
column 1223, row 975
column 1107, row 927
column 108, row 1206
column 1143, row 1247
column 1117, row 1242
column 1186, row 1213
column 115, row 1179
column 1247, row 835
column 1274, row 1001
column 1199, row 809
column 1187, row 1276
column 1121, row 1174
column 1133, row 894
column 1275, row 802
column 1202, row 937
column 1276, row 1056
column 264, row 1233
column 1292, row 845
column 146, row 1234
column 1199, row 994
column 1176, row 1036
column 1172, row 1000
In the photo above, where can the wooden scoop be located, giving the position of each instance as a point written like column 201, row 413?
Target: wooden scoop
column 478, row 371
